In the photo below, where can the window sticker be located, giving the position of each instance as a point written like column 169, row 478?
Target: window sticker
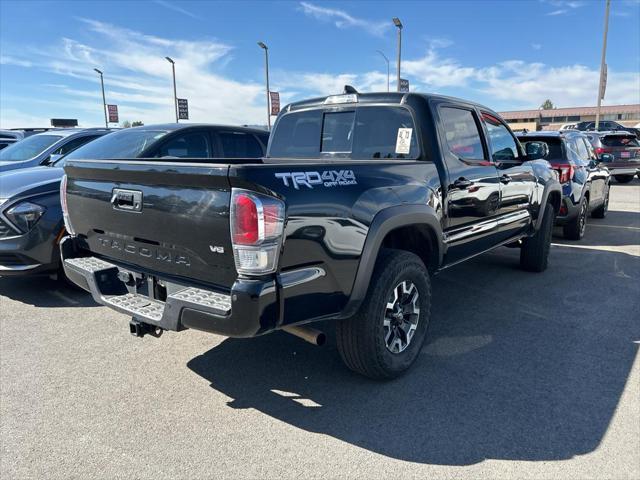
column 403, row 142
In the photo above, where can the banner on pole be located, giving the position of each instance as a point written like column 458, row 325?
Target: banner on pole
column 183, row 109
column 112, row 110
column 275, row 102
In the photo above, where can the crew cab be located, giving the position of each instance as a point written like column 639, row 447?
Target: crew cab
column 359, row 200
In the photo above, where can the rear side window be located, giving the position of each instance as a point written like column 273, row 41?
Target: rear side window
column 190, row 145
column 363, row 133
column 462, row 133
column 503, row 145
column 620, row 141
column 239, row 145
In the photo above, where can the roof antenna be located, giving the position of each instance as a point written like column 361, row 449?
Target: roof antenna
column 349, row 89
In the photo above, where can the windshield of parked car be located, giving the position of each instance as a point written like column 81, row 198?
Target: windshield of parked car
column 554, row 143
column 620, row 141
column 127, row 143
column 28, row 148
column 360, row 133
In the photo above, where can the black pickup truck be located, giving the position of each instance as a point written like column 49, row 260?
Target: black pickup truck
column 360, row 199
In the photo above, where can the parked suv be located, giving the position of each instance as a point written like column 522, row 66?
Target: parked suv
column 47, row 147
column 607, row 126
column 360, row 198
column 584, row 179
column 31, row 223
column 620, row 151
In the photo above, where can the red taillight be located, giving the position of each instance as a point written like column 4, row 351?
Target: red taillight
column 257, row 225
column 565, row 172
column 600, row 150
column 245, row 225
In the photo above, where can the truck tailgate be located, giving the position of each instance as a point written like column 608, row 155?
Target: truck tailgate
column 164, row 217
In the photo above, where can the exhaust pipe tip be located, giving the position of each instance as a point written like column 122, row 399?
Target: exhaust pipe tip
column 311, row 335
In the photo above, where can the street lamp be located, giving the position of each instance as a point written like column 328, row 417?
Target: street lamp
column 266, row 69
column 386, row 60
column 603, row 65
column 175, row 95
column 104, row 101
column 398, row 23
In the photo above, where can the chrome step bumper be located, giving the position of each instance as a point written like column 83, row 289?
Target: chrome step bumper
column 101, row 279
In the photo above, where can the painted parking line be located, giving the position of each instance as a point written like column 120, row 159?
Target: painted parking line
column 613, row 226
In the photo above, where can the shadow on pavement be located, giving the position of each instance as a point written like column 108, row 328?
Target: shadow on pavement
column 41, row 291
column 517, row 366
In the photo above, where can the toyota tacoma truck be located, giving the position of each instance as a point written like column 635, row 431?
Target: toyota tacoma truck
column 359, row 201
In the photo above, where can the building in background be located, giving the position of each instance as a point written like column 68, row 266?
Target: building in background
column 627, row 115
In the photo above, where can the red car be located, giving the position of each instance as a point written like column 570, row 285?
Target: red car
column 620, row 151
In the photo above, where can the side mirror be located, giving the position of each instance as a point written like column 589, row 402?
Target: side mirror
column 536, row 150
column 607, row 157
column 53, row 158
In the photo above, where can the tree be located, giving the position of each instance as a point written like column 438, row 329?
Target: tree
column 137, row 123
column 547, row 105
column 126, row 124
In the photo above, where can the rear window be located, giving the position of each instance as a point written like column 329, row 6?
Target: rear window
column 127, row 143
column 554, row 144
column 620, row 141
column 361, row 133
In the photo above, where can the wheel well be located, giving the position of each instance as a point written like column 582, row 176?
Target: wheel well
column 554, row 199
column 586, row 195
column 418, row 239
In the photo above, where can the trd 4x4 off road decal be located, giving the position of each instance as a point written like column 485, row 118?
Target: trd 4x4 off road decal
column 326, row 178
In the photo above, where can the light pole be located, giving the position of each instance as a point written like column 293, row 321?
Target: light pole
column 104, row 101
column 398, row 23
column 175, row 95
column 602, row 63
column 266, row 69
column 386, row 60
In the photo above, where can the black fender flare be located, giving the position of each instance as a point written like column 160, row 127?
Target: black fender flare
column 550, row 187
column 384, row 222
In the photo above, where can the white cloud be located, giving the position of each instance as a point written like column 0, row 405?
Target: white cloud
column 138, row 78
column 536, row 46
column 176, row 8
column 342, row 19
column 563, row 6
column 9, row 60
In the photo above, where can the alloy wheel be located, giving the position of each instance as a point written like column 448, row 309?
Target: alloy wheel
column 401, row 316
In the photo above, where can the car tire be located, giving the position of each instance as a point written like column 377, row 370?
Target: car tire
column 574, row 230
column 602, row 210
column 534, row 253
column 377, row 341
column 623, row 178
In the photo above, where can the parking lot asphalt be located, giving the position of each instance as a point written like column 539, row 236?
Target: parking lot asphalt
column 523, row 376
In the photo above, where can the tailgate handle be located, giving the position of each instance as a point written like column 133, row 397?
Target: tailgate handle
column 128, row 200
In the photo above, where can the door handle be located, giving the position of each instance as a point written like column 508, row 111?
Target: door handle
column 505, row 178
column 462, row 183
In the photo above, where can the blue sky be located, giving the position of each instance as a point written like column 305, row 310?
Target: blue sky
column 507, row 55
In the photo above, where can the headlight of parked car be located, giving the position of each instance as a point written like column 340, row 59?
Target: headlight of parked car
column 25, row 215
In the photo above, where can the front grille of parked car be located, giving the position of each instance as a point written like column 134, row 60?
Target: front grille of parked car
column 6, row 231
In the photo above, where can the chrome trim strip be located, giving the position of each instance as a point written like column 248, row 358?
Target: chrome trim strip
column 486, row 226
column 303, row 275
column 18, row 268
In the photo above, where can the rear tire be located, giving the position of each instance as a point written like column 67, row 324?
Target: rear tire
column 534, row 253
column 623, row 178
column 574, row 230
column 381, row 340
column 602, row 210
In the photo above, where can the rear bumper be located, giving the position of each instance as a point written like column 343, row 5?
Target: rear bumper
column 249, row 309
